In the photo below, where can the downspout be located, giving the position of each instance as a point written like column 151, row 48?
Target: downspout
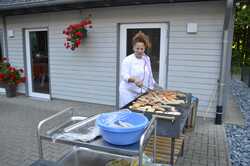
column 224, row 66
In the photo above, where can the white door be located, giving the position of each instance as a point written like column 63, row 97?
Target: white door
column 37, row 63
column 157, row 33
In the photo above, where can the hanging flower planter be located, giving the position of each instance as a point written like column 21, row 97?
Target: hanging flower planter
column 76, row 33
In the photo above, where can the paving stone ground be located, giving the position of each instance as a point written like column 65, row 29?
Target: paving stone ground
column 205, row 146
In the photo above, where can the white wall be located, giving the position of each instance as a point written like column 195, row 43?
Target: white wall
column 89, row 73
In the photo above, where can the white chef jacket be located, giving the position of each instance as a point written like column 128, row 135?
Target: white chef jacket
column 139, row 68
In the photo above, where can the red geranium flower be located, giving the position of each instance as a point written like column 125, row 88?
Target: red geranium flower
column 1, row 76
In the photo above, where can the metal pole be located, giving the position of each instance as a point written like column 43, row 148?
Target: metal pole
column 172, row 151
column 154, row 145
column 40, row 147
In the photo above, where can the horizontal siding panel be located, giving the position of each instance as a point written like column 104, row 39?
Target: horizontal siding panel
column 82, row 81
column 16, row 45
column 86, row 90
column 175, row 84
column 197, row 36
column 192, row 69
column 107, row 29
column 201, row 28
column 16, row 62
column 173, row 19
column 79, row 59
column 193, row 90
column 193, row 40
column 202, row 94
column 194, row 63
column 187, row 41
column 83, row 56
column 178, row 84
column 86, row 76
column 97, row 24
column 85, row 62
column 208, row 46
column 207, row 98
column 16, row 53
column 111, row 29
column 87, row 47
column 87, row 44
column 89, row 39
column 106, row 88
column 192, row 80
column 16, row 49
column 58, row 32
column 212, row 58
column 16, row 58
column 184, row 34
column 83, row 68
column 90, row 99
column 83, row 73
column 84, row 51
column 193, row 75
column 194, row 51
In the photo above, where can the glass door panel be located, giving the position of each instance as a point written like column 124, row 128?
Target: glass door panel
column 39, row 61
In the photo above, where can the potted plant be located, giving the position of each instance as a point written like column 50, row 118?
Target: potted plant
column 10, row 77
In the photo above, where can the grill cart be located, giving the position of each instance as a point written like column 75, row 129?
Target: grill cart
column 165, row 128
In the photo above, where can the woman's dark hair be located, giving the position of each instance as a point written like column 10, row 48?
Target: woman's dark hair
column 142, row 38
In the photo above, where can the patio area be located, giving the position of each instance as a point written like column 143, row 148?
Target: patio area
column 205, row 146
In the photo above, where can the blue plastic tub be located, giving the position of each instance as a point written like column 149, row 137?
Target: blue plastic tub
column 120, row 135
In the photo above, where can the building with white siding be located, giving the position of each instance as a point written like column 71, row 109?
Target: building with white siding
column 31, row 38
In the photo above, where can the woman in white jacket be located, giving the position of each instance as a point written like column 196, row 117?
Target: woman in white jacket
column 136, row 71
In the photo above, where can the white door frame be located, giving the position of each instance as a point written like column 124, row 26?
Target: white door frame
column 2, row 90
column 163, row 45
column 28, row 62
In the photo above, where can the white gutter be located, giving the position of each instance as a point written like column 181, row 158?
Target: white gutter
column 225, row 55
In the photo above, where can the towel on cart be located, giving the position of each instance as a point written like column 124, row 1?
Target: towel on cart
column 93, row 133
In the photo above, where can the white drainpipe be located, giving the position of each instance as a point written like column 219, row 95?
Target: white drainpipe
column 225, row 55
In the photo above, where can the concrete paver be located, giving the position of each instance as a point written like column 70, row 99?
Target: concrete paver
column 205, row 146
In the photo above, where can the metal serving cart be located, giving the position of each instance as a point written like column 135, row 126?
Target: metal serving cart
column 66, row 121
column 70, row 120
